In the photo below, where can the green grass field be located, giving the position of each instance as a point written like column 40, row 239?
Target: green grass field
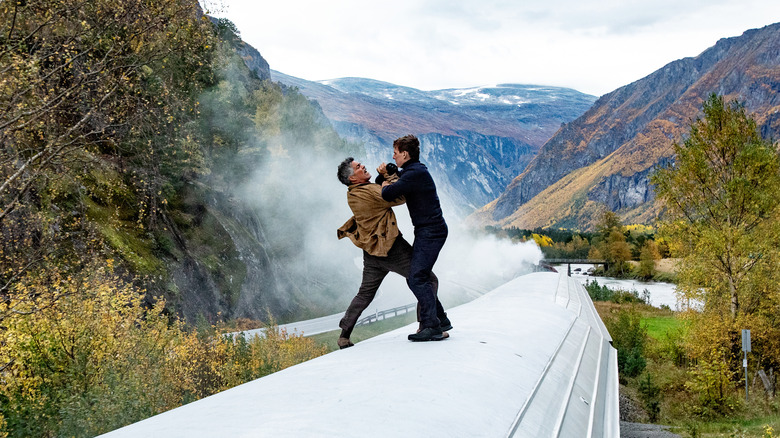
column 658, row 326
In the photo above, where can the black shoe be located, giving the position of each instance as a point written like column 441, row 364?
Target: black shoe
column 427, row 334
column 446, row 325
column 344, row 343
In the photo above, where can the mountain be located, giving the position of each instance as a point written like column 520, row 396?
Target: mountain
column 603, row 159
column 474, row 140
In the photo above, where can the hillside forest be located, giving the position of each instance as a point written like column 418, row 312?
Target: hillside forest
column 131, row 134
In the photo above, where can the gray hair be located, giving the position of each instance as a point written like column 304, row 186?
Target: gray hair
column 345, row 171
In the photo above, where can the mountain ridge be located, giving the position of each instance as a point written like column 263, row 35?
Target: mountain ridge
column 632, row 129
column 486, row 135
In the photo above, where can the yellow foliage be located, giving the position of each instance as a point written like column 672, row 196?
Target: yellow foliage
column 93, row 358
column 640, row 228
column 542, row 241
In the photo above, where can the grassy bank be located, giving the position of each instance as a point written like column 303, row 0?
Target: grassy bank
column 669, row 370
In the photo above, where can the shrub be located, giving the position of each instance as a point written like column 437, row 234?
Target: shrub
column 629, row 338
column 651, row 396
column 89, row 357
column 598, row 292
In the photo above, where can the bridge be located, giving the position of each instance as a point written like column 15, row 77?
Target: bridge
column 570, row 262
column 531, row 358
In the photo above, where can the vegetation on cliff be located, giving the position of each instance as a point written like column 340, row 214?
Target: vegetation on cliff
column 127, row 131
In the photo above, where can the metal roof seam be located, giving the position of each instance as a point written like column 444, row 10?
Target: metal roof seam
column 574, row 374
column 524, row 408
column 593, row 314
column 574, row 292
column 563, row 286
column 612, row 406
column 597, row 385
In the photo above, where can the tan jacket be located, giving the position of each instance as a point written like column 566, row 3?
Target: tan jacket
column 373, row 227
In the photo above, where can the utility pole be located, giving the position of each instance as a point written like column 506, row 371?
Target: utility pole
column 745, row 349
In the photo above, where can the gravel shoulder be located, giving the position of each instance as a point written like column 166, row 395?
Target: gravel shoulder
column 642, row 430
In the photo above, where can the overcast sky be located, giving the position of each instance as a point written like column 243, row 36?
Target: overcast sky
column 593, row 46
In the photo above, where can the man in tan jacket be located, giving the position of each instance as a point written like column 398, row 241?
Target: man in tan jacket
column 374, row 229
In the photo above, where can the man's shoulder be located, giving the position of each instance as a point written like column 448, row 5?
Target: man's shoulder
column 416, row 167
column 416, row 172
column 365, row 189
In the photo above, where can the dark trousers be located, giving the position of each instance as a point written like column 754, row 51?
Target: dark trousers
column 375, row 269
column 428, row 242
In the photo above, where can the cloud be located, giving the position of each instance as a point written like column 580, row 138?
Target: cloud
column 592, row 46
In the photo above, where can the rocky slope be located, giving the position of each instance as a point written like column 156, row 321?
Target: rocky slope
column 603, row 158
column 234, row 242
column 474, row 140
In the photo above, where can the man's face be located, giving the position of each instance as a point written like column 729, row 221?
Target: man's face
column 400, row 157
column 360, row 174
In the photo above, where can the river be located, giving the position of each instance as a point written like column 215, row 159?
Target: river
column 660, row 293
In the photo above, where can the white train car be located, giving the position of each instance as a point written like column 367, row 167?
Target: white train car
column 531, row 358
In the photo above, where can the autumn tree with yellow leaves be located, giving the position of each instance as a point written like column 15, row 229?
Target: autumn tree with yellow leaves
column 723, row 221
column 611, row 245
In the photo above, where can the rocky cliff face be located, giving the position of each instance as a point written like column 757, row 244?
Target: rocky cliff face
column 470, row 169
column 474, row 140
column 248, row 238
column 608, row 151
column 618, row 192
column 254, row 60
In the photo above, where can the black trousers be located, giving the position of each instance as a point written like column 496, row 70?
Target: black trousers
column 428, row 242
column 375, row 269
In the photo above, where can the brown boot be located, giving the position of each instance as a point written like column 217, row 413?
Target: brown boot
column 344, row 343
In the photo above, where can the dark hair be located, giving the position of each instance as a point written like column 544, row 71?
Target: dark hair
column 345, row 170
column 408, row 143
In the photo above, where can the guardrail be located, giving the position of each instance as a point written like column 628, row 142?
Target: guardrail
column 569, row 262
column 384, row 314
column 575, row 261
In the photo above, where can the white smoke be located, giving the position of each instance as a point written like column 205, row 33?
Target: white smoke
column 302, row 202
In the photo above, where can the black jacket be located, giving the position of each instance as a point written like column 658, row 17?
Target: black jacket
column 416, row 184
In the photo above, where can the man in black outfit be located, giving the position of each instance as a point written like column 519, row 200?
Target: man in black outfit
column 430, row 231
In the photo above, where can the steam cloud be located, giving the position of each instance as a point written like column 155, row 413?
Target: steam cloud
column 302, row 204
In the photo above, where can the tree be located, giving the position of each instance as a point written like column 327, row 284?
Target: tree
column 96, row 358
column 721, row 198
column 631, row 343
column 611, row 243
column 647, row 258
column 79, row 76
column 88, row 90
